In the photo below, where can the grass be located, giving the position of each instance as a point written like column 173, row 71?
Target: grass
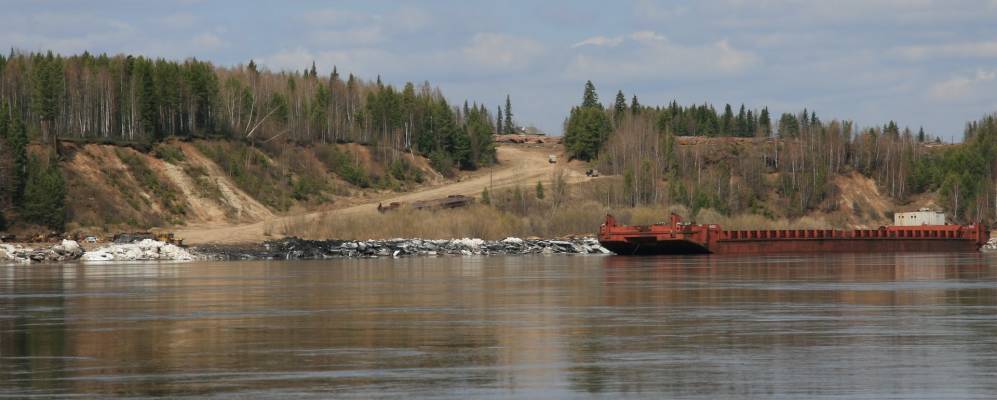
column 251, row 171
column 163, row 192
column 168, row 152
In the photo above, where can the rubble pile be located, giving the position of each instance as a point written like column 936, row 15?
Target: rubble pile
column 991, row 245
column 143, row 250
column 67, row 250
column 300, row 249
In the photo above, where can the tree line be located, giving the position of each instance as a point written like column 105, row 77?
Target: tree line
column 31, row 184
column 639, row 143
column 126, row 98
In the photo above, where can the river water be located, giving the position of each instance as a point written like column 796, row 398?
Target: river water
column 843, row 326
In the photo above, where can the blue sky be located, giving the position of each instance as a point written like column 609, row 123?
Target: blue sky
column 919, row 62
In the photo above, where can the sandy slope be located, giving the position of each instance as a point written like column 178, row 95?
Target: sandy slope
column 518, row 165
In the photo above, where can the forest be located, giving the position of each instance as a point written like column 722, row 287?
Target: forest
column 127, row 99
column 133, row 100
column 796, row 157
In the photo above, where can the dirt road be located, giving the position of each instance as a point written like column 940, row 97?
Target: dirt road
column 518, row 165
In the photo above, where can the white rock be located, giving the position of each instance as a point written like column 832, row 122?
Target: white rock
column 512, row 240
column 145, row 250
column 469, row 243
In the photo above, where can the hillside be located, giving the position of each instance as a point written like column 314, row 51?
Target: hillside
column 212, row 183
column 184, row 186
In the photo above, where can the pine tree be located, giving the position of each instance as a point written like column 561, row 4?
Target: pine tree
column 48, row 80
column 17, row 140
column 313, row 72
column 498, row 121
column 44, row 196
column 727, row 121
column 765, row 122
column 335, row 74
column 620, row 107
column 741, row 124
column 509, row 127
column 752, row 125
column 590, row 99
column 920, row 135
column 634, row 105
column 540, row 190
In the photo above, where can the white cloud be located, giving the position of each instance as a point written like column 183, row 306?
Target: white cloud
column 499, row 51
column 343, row 28
column 653, row 11
column 364, row 61
column 178, row 20
column 963, row 87
column 409, row 19
column 647, row 54
column 647, row 37
column 64, row 33
column 961, row 50
column 360, row 36
column 333, row 17
column 208, row 41
column 600, row 41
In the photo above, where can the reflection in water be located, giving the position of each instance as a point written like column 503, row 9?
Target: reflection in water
column 868, row 326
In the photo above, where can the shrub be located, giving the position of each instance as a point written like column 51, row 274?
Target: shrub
column 44, row 195
column 169, row 153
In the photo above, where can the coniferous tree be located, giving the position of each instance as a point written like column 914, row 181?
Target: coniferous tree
column 620, row 107
column 590, row 98
column 741, row 123
column 44, row 195
column 509, row 127
column 587, row 127
column 920, row 134
column 634, row 105
column 727, row 121
column 765, row 122
column 17, row 142
column 498, row 121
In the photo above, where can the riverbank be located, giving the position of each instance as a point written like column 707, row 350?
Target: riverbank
column 290, row 249
column 300, row 249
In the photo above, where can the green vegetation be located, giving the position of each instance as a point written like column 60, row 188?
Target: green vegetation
column 789, row 177
column 963, row 175
column 169, row 153
column 161, row 191
column 343, row 164
column 587, row 127
column 44, row 195
column 251, row 171
column 141, row 100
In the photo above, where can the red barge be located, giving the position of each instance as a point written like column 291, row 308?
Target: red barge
column 678, row 237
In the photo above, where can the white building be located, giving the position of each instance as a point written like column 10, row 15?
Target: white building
column 924, row 216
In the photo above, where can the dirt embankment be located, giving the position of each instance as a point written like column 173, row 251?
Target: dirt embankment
column 522, row 165
column 193, row 190
column 217, row 197
column 119, row 188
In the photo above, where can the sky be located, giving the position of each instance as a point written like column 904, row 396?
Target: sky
column 918, row 62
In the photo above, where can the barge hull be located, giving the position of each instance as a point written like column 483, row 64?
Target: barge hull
column 683, row 238
column 677, row 247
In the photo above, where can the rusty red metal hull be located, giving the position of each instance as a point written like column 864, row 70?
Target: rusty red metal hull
column 683, row 238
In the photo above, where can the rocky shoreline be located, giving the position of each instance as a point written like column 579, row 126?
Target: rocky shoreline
column 300, row 249
column 292, row 248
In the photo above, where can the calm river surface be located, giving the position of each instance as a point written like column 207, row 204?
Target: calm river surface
column 843, row 326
